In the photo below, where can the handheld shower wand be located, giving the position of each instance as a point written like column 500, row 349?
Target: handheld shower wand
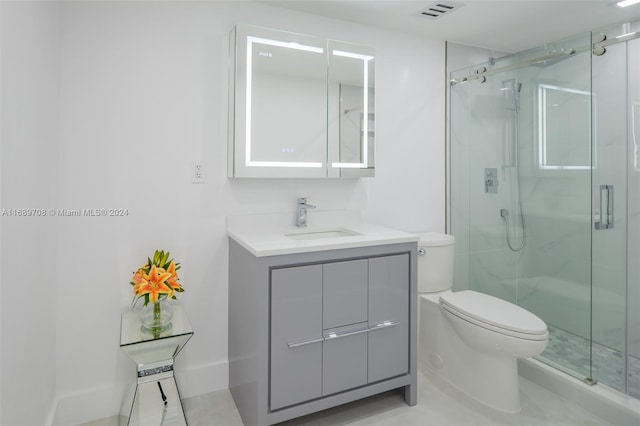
column 512, row 90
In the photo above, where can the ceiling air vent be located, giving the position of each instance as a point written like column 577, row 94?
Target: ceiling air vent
column 439, row 9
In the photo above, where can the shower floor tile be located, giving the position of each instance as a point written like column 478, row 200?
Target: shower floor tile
column 573, row 353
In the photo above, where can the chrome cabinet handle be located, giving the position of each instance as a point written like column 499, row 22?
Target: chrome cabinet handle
column 305, row 342
column 606, row 208
column 384, row 324
column 331, row 336
column 421, row 252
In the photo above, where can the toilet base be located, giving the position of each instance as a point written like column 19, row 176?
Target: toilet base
column 492, row 382
column 490, row 379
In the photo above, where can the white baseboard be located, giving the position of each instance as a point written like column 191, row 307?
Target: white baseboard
column 203, row 379
column 85, row 406
column 100, row 403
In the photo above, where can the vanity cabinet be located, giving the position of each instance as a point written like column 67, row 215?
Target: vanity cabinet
column 344, row 293
column 296, row 335
column 310, row 331
column 388, row 344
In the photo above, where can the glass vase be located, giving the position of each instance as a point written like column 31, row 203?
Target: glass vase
column 156, row 317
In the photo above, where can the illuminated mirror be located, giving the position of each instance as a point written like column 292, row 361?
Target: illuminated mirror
column 299, row 106
column 278, row 96
column 351, row 92
column 564, row 135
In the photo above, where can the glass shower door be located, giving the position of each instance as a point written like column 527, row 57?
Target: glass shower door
column 492, row 185
column 616, row 302
column 545, row 196
column 521, row 190
column 633, row 231
column 610, row 216
column 554, row 269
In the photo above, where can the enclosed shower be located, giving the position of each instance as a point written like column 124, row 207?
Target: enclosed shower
column 544, row 195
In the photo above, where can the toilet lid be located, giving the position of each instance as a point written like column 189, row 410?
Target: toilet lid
column 435, row 239
column 496, row 313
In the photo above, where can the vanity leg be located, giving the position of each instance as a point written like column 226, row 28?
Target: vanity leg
column 411, row 394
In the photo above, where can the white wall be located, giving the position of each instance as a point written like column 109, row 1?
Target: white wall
column 143, row 92
column 29, row 123
column 408, row 190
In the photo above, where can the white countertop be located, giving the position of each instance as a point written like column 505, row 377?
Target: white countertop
column 266, row 234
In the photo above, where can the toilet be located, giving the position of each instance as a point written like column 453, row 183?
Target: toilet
column 471, row 340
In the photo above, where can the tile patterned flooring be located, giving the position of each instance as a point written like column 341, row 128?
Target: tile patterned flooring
column 572, row 351
column 438, row 405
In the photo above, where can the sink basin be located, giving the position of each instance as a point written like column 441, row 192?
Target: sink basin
column 316, row 234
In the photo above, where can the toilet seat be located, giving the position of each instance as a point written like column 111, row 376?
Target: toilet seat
column 494, row 314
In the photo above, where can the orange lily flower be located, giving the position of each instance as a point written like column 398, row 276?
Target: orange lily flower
column 137, row 280
column 172, row 281
column 156, row 279
column 154, row 283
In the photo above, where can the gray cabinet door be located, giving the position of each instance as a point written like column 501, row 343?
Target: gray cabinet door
column 344, row 358
column 296, row 335
column 388, row 317
column 344, row 293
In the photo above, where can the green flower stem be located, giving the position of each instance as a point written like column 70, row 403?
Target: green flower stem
column 156, row 312
column 157, row 324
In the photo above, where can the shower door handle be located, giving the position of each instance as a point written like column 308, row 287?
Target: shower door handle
column 605, row 221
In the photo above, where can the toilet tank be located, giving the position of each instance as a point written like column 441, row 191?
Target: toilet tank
column 435, row 262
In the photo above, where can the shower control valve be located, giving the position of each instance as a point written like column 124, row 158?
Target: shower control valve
column 491, row 181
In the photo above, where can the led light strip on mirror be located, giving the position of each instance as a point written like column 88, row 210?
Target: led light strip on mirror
column 289, row 45
column 365, row 129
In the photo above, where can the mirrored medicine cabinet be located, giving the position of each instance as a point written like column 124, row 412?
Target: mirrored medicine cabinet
column 299, row 106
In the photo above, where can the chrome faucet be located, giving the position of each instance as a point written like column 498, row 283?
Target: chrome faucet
column 301, row 217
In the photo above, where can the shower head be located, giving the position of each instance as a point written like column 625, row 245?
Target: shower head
column 511, row 84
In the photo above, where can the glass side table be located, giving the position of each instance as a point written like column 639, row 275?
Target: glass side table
column 156, row 399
